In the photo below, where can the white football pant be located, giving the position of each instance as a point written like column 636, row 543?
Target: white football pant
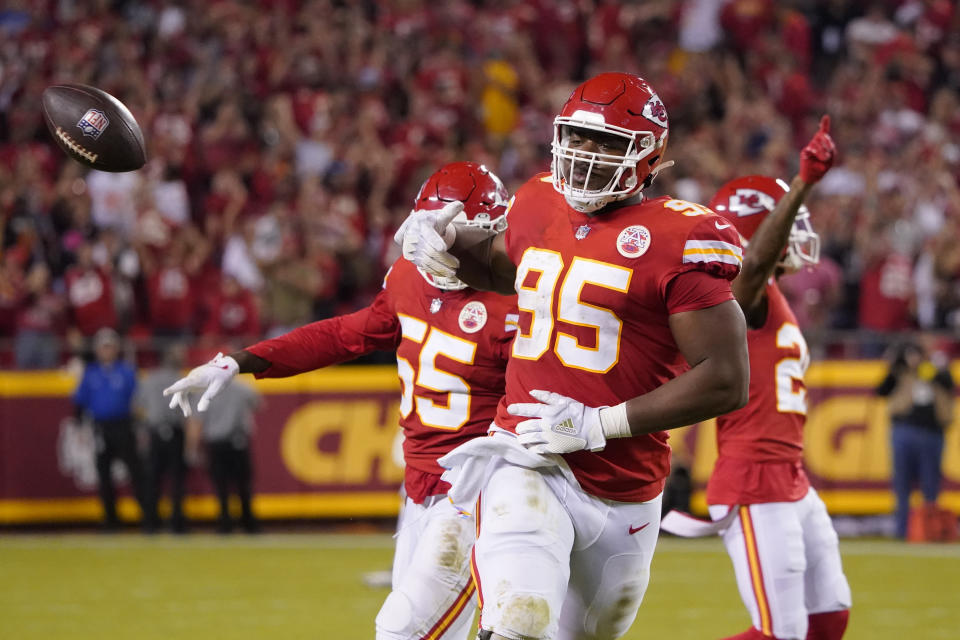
column 786, row 557
column 433, row 596
column 553, row 562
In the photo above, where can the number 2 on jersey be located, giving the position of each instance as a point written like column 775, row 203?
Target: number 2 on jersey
column 435, row 342
column 537, row 299
column 790, row 370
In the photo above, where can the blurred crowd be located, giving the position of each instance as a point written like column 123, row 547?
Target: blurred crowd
column 286, row 140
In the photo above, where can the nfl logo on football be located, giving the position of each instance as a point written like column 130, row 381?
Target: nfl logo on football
column 93, row 123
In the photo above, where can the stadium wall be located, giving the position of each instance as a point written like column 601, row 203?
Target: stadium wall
column 323, row 447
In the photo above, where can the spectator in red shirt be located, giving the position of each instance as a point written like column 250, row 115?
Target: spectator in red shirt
column 746, row 21
column 886, row 293
column 90, row 293
column 232, row 313
column 170, row 284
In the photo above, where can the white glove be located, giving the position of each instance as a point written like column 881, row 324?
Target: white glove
column 209, row 378
column 559, row 425
column 425, row 237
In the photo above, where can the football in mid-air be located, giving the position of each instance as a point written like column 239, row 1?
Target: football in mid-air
column 93, row 127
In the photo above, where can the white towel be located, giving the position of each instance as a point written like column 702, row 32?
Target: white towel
column 470, row 466
column 685, row 525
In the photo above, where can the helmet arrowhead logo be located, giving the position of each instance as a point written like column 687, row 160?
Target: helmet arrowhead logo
column 746, row 202
column 655, row 112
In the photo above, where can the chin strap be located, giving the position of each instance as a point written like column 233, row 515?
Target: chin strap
column 663, row 165
column 653, row 174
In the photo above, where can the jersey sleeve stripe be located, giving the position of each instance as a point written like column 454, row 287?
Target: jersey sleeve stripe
column 726, row 252
column 511, row 322
column 711, row 256
column 716, row 245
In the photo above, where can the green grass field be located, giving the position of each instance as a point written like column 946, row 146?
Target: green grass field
column 291, row 586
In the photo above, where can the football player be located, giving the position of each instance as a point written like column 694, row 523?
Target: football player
column 784, row 549
column 628, row 327
column 452, row 343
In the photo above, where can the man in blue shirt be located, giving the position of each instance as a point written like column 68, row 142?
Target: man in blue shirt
column 106, row 394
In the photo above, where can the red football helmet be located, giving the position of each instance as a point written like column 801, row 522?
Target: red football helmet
column 617, row 104
column 746, row 201
column 483, row 196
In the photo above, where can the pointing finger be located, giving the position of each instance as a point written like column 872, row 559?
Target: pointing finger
column 448, row 213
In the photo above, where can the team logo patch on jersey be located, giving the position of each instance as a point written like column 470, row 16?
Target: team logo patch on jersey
column 654, row 111
column 93, row 123
column 473, row 316
column 633, row 241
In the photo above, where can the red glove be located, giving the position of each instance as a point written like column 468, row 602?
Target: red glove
column 817, row 157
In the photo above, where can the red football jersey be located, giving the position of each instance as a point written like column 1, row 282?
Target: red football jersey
column 91, row 299
column 171, row 297
column 452, row 348
column 595, row 297
column 232, row 315
column 761, row 445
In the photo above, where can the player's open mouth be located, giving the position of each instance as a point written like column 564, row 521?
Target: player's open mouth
column 596, row 179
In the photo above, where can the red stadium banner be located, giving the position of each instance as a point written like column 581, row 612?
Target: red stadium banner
column 323, row 447
column 846, row 442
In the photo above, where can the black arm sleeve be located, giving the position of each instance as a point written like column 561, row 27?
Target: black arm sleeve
column 887, row 386
column 944, row 380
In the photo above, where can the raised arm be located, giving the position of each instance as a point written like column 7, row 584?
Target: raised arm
column 770, row 239
column 765, row 250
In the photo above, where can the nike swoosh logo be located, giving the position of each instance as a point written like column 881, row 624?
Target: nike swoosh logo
column 640, row 528
column 224, row 367
column 721, row 226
